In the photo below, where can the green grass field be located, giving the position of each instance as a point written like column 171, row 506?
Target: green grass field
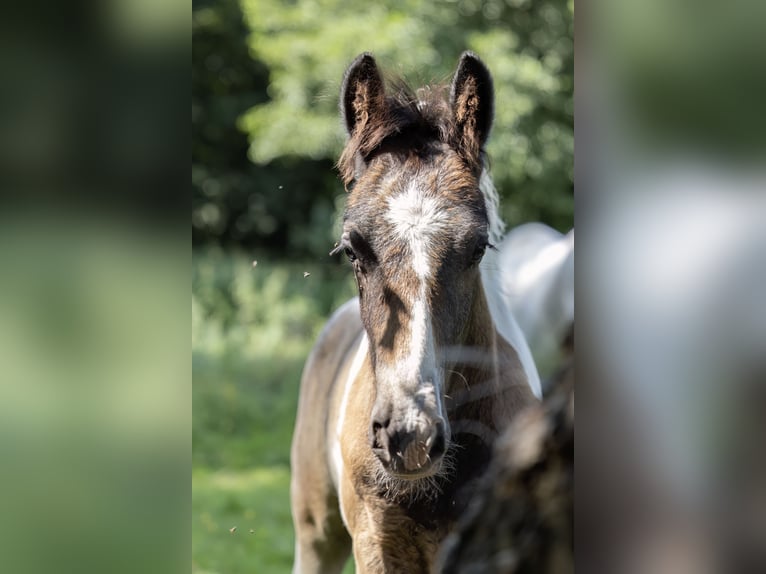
column 252, row 328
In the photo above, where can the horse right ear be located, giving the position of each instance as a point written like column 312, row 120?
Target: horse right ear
column 473, row 99
column 362, row 95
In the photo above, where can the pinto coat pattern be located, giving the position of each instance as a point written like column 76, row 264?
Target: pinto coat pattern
column 411, row 383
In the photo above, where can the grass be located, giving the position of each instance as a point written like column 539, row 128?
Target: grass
column 252, row 328
column 256, row 503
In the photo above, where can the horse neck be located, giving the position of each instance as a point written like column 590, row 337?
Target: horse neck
column 477, row 357
column 487, row 379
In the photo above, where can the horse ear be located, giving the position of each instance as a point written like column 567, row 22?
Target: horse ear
column 472, row 99
column 362, row 94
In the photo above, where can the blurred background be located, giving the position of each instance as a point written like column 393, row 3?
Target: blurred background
column 266, row 203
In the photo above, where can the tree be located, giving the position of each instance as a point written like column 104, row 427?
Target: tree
column 294, row 58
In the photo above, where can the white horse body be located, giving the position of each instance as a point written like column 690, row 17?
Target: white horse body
column 536, row 266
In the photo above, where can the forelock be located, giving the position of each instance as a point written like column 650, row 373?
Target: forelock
column 411, row 122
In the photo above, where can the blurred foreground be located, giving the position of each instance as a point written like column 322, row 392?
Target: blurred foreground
column 94, row 396
column 671, row 277
column 95, row 367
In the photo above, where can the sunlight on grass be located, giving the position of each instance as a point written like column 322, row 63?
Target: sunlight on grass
column 256, row 504
column 252, row 329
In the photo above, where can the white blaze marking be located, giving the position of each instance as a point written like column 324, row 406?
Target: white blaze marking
column 417, row 218
column 420, row 336
column 335, row 452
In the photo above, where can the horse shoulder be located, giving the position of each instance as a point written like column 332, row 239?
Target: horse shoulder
column 515, row 390
column 323, row 543
column 321, row 384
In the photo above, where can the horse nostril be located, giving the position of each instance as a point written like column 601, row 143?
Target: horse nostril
column 378, row 436
column 437, row 449
column 377, row 425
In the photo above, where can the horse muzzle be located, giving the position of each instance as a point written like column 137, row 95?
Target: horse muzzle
column 409, row 451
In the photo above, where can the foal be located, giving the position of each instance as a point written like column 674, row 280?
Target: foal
column 411, row 382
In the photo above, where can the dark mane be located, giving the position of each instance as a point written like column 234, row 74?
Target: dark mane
column 410, row 121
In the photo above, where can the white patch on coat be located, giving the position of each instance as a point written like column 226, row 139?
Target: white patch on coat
column 336, row 456
column 537, row 269
column 297, row 566
column 505, row 323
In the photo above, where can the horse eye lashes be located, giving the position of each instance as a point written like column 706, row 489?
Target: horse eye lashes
column 342, row 246
column 479, row 251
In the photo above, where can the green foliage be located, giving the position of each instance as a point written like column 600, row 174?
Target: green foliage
column 307, row 48
column 257, row 503
column 252, row 328
column 269, row 84
column 285, row 205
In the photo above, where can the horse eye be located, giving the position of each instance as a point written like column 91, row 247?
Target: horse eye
column 478, row 253
column 350, row 254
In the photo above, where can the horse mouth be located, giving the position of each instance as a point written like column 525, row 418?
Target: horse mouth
column 412, row 464
column 418, row 473
column 395, row 483
column 410, row 455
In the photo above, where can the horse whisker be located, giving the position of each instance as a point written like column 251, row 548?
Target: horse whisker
column 462, row 376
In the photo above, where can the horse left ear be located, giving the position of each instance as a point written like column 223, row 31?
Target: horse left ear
column 472, row 99
column 362, row 95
